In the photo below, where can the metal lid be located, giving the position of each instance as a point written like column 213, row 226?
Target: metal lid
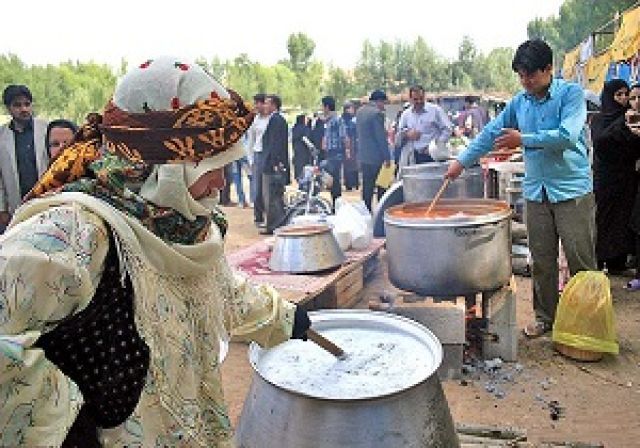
column 448, row 213
column 386, row 354
column 302, row 230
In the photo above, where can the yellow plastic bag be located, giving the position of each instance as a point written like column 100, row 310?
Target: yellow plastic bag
column 584, row 318
column 386, row 175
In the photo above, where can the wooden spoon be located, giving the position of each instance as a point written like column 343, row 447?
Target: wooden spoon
column 437, row 196
column 326, row 344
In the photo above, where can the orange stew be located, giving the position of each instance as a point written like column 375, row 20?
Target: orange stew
column 443, row 211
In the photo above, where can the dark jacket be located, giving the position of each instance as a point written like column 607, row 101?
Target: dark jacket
column 301, row 153
column 373, row 148
column 275, row 146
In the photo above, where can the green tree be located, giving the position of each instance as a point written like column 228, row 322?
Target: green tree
column 339, row 84
column 493, row 72
column 300, row 48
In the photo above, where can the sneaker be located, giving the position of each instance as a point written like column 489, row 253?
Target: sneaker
column 536, row 329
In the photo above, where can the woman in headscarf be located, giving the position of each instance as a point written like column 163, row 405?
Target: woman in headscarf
column 301, row 153
column 631, row 134
column 116, row 301
column 614, row 177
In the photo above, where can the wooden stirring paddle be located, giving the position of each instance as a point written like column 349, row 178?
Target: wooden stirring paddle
column 438, row 194
column 326, row 344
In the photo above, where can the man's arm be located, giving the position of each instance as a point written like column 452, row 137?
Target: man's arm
column 283, row 143
column 5, row 217
column 251, row 140
column 380, row 136
column 573, row 115
column 483, row 143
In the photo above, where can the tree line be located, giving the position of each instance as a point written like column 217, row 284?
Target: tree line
column 72, row 89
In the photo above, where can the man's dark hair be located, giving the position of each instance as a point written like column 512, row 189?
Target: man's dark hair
column 259, row 97
column 416, row 88
column 378, row 95
column 13, row 91
column 470, row 99
column 329, row 102
column 276, row 100
column 531, row 56
column 60, row 123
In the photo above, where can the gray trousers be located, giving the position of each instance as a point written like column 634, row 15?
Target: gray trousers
column 258, row 203
column 573, row 223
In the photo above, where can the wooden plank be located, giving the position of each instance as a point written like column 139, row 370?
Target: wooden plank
column 349, row 287
column 339, row 286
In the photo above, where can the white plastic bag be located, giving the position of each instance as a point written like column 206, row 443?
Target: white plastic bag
column 341, row 231
column 438, row 150
column 356, row 217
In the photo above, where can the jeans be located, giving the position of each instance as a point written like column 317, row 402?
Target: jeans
column 258, row 203
column 369, row 176
column 237, row 179
column 334, row 167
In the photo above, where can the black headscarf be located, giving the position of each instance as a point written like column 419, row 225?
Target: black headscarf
column 610, row 109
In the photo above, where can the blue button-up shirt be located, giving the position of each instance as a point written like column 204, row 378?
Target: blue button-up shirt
column 553, row 138
column 334, row 135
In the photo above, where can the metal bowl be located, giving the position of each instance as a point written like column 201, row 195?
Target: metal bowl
column 305, row 248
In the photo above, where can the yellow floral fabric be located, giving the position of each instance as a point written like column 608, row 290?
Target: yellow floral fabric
column 57, row 249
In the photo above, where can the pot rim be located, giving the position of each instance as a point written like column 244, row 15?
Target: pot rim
column 435, row 169
column 503, row 212
column 302, row 230
column 325, row 318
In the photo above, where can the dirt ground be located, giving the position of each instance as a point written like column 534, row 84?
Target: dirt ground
column 600, row 402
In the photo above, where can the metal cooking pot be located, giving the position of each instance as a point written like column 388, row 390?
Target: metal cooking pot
column 421, row 182
column 305, row 248
column 296, row 401
column 393, row 196
column 449, row 256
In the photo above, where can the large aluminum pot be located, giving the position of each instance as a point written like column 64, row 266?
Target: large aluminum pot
column 393, row 196
column 421, row 182
column 386, row 394
column 302, row 248
column 463, row 249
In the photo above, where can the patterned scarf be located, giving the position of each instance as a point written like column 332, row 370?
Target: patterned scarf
column 137, row 141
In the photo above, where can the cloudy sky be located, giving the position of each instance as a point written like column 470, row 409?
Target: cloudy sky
column 138, row 29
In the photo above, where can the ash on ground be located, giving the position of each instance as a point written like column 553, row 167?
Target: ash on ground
column 498, row 379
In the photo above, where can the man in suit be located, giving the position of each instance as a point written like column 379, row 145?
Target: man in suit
column 373, row 148
column 23, row 152
column 275, row 173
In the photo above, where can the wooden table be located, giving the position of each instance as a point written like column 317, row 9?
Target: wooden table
column 339, row 288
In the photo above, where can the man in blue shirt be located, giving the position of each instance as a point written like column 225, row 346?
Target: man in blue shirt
column 547, row 121
column 334, row 143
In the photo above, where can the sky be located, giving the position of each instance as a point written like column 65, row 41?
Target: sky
column 136, row 30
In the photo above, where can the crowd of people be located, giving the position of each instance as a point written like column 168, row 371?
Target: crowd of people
column 274, row 154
